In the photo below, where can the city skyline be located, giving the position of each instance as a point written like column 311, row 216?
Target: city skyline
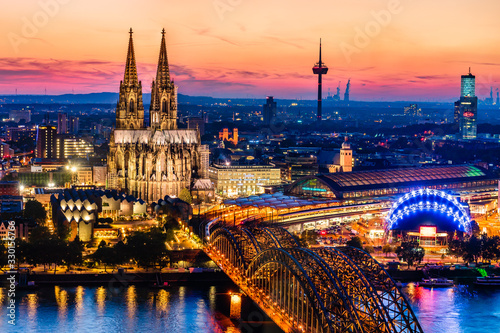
column 391, row 50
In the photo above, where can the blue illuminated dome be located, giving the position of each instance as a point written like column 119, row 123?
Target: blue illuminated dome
column 428, row 207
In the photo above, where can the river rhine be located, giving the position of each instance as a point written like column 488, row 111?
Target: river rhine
column 186, row 309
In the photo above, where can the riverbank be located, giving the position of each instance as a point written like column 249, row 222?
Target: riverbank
column 458, row 275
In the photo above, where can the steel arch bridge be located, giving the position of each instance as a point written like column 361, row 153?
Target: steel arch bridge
column 430, row 200
column 311, row 289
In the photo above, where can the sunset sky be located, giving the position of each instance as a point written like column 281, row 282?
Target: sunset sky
column 414, row 50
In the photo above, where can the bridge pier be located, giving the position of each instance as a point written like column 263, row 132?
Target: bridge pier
column 235, row 307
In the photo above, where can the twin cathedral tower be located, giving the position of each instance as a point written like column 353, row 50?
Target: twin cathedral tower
column 156, row 160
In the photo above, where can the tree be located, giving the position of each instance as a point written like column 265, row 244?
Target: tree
column 35, row 210
column 148, row 248
column 369, row 249
column 456, row 248
column 472, row 249
column 104, row 255
column 387, row 248
column 355, row 242
column 410, row 252
column 73, row 254
column 185, row 195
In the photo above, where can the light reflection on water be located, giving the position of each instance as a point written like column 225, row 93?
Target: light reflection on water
column 461, row 309
column 100, row 309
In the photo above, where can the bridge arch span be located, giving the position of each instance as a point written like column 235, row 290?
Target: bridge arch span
column 282, row 281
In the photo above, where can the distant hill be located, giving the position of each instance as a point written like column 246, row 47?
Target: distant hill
column 112, row 98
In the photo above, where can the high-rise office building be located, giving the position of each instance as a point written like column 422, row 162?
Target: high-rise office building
column 46, row 141
column 62, row 123
column 69, row 146
column 466, row 108
column 468, row 86
column 269, row 111
column 74, row 125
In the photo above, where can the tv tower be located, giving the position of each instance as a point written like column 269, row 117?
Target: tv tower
column 319, row 69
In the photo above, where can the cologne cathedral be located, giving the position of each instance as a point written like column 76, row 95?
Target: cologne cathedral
column 152, row 161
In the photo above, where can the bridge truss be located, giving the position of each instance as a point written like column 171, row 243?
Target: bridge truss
column 311, row 290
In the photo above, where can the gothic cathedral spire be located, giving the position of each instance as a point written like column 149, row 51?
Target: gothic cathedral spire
column 130, row 110
column 163, row 107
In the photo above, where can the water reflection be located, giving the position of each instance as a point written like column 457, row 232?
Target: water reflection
column 32, row 305
column 79, row 299
column 62, row 302
column 100, row 296
column 457, row 309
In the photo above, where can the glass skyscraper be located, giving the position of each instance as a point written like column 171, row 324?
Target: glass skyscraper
column 468, row 86
column 466, row 108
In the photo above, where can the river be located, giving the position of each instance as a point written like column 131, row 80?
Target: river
column 200, row 309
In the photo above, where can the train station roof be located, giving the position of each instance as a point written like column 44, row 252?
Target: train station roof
column 276, row 201
column 388, row 178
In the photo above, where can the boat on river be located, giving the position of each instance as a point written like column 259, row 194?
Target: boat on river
column 488, row 281
column 436, row 282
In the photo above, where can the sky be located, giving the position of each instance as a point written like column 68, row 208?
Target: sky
column 390, row 49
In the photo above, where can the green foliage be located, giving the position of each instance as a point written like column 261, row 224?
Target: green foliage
column 185, row 195
column 308, row 237
column 476, row 247
column 369, row 249
column 73, row 254
column 387, row 248
column 45, row 248
column 105, row 255
column 355, row 242
column 148, row 248
column 410, row 252
column 35, row 210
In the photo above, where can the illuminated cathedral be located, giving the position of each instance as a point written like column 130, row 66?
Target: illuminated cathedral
column 152, row 161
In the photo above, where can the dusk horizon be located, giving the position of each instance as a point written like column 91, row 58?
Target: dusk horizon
column 242, row 51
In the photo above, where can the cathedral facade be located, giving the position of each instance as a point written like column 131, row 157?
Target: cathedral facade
column 151, row 161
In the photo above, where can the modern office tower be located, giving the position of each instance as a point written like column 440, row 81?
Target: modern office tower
column 468, row 119
column 466, row 108
column 62, row 123
column 269, row 110
column 74, row 125
column 347, row 90
column 498, row 98
column 46, row 141
column 320, row 69
column 20, row 133
column 468, row 86
column 69, row 146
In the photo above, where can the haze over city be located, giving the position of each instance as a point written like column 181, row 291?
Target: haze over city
column 391, row 50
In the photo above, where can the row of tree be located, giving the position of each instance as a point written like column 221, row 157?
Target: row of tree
column 45, row 248
column 475, row 248
column 144, row 248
